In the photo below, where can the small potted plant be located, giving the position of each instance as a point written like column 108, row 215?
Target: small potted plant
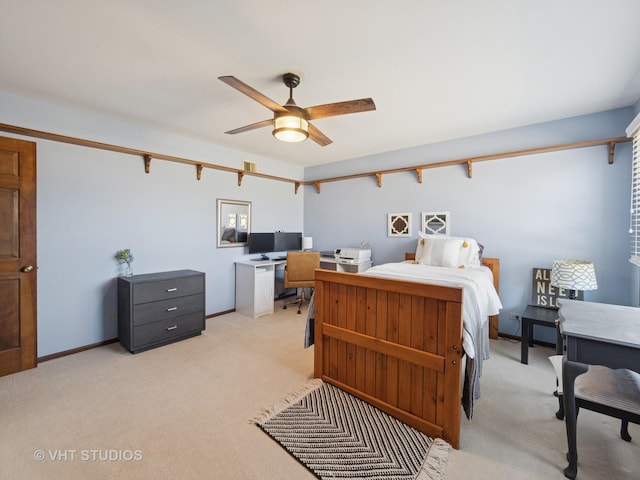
column 125, row 257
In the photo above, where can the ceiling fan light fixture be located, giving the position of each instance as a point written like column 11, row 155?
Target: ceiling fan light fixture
column 290, row 128
column 290, row 122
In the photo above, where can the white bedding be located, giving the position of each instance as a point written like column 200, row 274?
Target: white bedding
column 480, row 299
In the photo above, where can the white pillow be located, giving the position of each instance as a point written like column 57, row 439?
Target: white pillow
column 439, row 252
column 469, row 252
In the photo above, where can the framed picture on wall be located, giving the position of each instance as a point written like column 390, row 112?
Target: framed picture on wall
column 436, row 223
column 399, row 225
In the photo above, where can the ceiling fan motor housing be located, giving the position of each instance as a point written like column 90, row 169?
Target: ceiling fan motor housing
column 291, row 80
column 292, row 125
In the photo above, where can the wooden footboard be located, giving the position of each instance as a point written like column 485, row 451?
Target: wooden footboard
column 395, row 344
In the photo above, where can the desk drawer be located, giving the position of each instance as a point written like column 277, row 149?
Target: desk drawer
column 168, row 329
column 173, row 307
column 166, row 289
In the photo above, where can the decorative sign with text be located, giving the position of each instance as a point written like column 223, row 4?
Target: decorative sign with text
column 543, row 294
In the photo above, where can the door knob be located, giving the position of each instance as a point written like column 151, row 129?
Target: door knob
column 26, row 269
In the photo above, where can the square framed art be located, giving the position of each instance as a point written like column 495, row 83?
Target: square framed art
column 436, row 223
column 399, row 225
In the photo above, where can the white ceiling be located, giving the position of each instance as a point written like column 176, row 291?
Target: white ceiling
column 436, row 69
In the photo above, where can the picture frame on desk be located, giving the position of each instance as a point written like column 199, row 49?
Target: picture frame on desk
column 545, row 295
column 542, row 311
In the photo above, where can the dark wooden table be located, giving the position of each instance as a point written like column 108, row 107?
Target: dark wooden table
column 546, row 317
column 595, row 334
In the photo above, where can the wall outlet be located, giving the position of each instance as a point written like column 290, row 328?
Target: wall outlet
column 515, row 316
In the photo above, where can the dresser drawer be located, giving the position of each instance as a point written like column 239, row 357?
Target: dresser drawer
column 173, row 307
column 167, row 289
column 155, row 309
column 168, row 329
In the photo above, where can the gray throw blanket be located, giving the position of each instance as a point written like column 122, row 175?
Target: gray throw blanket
column 471, row 387
column 309, row 331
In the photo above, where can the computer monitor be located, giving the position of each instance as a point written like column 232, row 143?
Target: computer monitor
column 287, row 241
column 261, row 242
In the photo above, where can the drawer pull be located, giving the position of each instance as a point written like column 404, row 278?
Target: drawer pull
column 174, row 289
column 172, row 327
column 172, row 309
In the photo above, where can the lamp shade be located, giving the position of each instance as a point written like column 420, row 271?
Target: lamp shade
column 307, row 243
column 574, row 275
column 290, row 126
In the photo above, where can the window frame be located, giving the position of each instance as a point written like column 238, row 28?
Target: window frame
column 633, row 131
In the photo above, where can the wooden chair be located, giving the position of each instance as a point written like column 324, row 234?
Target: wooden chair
column 615, row 393
column 300, row 272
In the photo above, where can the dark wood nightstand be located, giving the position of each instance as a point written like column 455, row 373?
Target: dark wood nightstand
column 546, row 317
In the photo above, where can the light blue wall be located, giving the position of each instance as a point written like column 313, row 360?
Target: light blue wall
column 92, row 203
column 526, row 210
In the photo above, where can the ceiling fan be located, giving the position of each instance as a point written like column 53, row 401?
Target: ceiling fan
column 290, row 122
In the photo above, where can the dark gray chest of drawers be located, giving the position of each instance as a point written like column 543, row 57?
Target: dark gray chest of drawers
column 160, row 308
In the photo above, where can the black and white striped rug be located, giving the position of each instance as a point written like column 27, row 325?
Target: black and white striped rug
column 336, row 435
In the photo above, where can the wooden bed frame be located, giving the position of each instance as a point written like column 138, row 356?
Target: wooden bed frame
column 395, row 344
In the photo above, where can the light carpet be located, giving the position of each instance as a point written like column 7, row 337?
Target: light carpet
column 337, row 435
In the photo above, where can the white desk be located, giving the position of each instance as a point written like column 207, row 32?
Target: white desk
column 255, row 282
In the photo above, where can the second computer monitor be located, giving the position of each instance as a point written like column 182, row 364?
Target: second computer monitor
column 286, row 241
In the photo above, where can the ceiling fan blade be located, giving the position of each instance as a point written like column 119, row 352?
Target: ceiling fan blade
column 252, row 93
column 253, row 126
column 318, row 137
column 340, row 108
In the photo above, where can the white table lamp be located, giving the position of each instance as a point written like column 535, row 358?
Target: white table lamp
column 307, row 243
column 573, row 275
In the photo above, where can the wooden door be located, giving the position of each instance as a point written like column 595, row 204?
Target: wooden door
column 18, row 342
